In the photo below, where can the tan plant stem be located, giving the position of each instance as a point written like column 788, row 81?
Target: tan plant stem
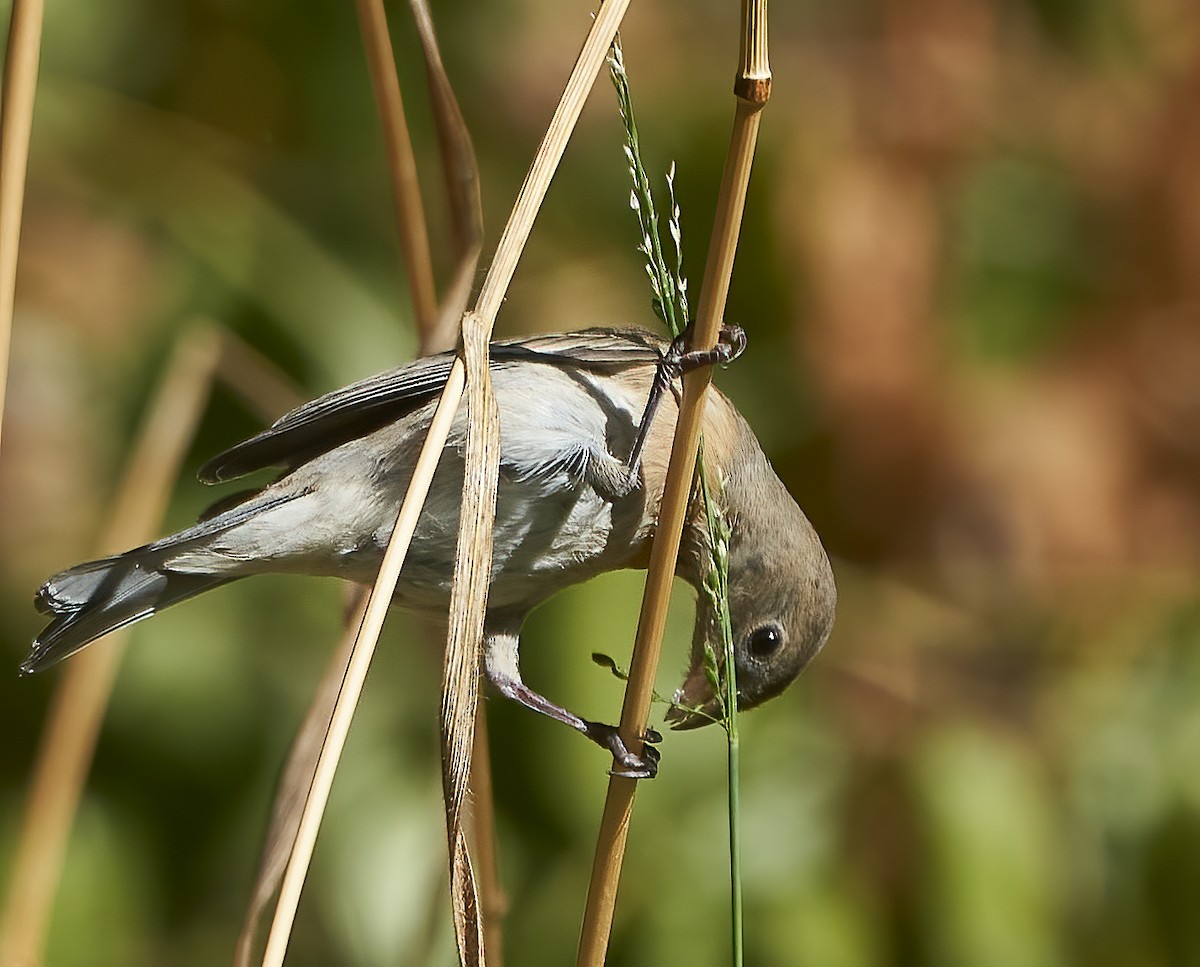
column 402, row 166
column 461, row 173
column 16, row 123
column 81, row 697
column 464, row 650
column 356, row 669
column 500, row 273
column 460, row 170
column 464, row 640
column 435, row 335
column 296, row 780
column 753, row 79
column 493, row 903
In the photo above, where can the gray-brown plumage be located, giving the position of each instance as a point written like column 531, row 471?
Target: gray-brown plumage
column 567, row 509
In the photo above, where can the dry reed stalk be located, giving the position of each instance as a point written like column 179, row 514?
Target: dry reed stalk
column 267, row 392
column 356, row 669
column 588, row 65
column 460, row 681
column 16, row 123
column 461, row 173
column 752, row 89
column 493, row 902
column 464, row 640
column 437, row 332
column 296, row 780
column 81, row 697
column 402, row 165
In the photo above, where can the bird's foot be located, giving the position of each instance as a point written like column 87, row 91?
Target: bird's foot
column 626, row 764
column 731, row 343
column 677, row 360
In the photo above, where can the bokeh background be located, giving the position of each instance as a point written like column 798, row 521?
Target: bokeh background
column 970, row 272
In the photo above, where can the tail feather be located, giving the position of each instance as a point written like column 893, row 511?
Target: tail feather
column 97, row 597
column 94, row 598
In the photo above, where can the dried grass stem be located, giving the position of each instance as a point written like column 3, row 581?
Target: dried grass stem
column 16, row 124
column 65, row 754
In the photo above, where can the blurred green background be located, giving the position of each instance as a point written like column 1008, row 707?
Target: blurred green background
column 970, row 272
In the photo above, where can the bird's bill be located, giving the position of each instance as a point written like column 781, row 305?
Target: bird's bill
column 694, row 704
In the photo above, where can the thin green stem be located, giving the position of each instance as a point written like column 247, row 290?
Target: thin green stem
column 716, row 585
column 735, row 843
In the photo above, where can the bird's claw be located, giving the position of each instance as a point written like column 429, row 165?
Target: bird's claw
column 673, row 363
column 731, row 343
column 627, row 764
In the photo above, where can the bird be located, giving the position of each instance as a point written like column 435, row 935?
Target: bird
column 583, row 459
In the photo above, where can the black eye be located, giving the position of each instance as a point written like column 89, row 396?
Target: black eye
column 765, row 641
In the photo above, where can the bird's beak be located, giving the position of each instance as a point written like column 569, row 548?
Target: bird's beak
column 694, row 704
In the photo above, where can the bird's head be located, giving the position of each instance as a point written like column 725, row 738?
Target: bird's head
column 781, row 597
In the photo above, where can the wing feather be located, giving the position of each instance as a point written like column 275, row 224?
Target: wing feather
column 365, row 406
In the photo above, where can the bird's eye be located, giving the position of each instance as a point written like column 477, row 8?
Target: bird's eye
column 765, row 642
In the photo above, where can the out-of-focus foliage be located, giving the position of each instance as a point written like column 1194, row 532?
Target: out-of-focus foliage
column 971, row 277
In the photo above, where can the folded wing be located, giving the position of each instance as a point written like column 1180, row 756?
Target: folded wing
column 365, row 406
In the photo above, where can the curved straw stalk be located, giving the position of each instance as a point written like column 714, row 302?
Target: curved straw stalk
column 512, row 242
column 410, row 211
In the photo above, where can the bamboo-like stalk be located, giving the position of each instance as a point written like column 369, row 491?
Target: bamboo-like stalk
column 482, row 917
column 402, row 165
column 752, row 88
column 16, row 124
column 262, row 387
column 81, row 697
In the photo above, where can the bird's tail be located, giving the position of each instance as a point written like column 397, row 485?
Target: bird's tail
column 92, row 599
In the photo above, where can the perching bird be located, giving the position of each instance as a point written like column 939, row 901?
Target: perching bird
column 574, row 500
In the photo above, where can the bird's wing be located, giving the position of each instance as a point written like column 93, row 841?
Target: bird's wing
column 365, row 406
column 598, row 350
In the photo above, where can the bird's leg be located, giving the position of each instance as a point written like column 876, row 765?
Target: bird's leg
column 503, row 670
column 677, row 360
